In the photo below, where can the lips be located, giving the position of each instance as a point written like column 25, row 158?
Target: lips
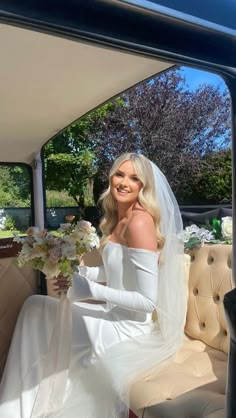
column 122, row 191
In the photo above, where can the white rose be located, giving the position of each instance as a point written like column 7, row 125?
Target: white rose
column 192, row 229
column 226, row 227
column 51, row 270
column 185, row 236
column 64, row 227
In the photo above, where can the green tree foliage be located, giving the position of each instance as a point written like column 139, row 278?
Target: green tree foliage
column 213, row 185
column 70, row 160
column 15, row 186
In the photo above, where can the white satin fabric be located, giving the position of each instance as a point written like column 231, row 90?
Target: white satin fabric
column 31, row 388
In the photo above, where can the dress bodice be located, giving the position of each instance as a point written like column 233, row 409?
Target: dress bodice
column 120, row 272
column 121, row 268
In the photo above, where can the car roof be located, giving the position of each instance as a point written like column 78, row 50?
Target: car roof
column 47, row 82
column 63, row 59
column 220, row 13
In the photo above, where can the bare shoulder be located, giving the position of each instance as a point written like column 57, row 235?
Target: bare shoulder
column 141, row 232
column 141, row 219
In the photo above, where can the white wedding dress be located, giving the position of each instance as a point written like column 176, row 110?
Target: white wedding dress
column 130, row 295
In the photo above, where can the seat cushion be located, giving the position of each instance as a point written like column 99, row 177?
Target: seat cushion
column 193, row 381
column 16, row 284
column 200, row 404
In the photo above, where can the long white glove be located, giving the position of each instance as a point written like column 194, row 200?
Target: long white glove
column 96, row 274
column 143, row 298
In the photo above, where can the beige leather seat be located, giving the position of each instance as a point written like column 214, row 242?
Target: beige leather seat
column 193, row 383
column 16, row 285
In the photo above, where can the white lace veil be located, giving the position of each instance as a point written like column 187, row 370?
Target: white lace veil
column 124, row 362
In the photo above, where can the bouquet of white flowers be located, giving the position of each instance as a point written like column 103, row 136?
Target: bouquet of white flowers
column 56, row 252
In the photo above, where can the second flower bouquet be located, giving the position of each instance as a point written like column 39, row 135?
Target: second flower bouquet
column 219, row 232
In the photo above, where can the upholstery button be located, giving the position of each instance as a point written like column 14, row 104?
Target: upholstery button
column 195, row 291
column 203, row 325
column 216, row 298
column 210, row 260
column 225, row 332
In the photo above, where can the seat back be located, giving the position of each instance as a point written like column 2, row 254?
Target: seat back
column 209, row 279
column 15, row 286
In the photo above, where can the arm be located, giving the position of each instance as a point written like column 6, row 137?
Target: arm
column 95, row 274
column 142, row 299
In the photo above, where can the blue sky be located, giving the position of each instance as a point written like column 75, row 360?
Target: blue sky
column 196, row 77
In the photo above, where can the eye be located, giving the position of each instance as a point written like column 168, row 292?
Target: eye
column 134, row 178
column 118, row 174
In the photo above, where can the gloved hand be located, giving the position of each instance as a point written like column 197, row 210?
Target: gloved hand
column 96, row 274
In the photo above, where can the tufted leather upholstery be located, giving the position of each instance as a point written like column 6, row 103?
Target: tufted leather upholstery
column 193, row 383
column 230, row 309
column 15, row 286
column 209, row 280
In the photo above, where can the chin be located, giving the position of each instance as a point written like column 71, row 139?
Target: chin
column 126, row 200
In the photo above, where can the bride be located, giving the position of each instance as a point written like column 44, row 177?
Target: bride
column 112, row 343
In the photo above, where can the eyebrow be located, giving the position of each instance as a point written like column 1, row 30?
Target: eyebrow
column 122, row 172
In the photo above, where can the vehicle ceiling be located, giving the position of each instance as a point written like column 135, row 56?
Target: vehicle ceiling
column 47, row 82
column 57, row 64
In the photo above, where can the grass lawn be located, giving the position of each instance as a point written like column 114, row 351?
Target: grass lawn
column 7, row 234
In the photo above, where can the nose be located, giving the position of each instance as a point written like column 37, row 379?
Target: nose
column 124, row 181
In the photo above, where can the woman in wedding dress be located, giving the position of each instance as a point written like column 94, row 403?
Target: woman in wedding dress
column 105, row 346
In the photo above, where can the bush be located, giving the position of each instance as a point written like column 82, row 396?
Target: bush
column 58, row 199
column 9, row 223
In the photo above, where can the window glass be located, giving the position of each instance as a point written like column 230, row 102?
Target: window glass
column 15, row 203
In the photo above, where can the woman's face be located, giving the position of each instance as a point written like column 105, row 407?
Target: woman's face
column 125, row 185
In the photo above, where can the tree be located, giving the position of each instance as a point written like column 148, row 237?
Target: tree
column 214, row 184
column 172, row 125
column 70, row 162
column 14, row 186
column 20, row 175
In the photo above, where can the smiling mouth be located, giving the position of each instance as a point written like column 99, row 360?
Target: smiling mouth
column 122, row 191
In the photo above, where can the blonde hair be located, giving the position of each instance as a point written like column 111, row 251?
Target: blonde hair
column 147, row 196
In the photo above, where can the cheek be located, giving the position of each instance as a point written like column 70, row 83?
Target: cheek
column 113, row 186
column 113, row 182
column 137, row 187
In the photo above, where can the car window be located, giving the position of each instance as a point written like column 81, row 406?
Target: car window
column 15, row 205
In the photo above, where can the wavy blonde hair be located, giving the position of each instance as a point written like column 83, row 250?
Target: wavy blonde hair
column 147, row 196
